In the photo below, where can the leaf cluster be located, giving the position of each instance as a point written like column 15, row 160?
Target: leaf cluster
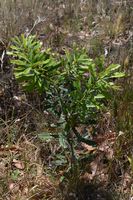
column 34, row 68
column 76, row 86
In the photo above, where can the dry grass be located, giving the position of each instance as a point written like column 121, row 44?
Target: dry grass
column 103, row 26
column 22, row 174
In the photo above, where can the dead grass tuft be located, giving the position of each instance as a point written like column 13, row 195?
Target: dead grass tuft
column 23, row 176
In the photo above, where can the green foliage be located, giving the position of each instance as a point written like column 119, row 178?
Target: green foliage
column 34, row 68
column 83, row 89
column 84, row 86
column 15, row 175
column 130, row 159
column 77, row 87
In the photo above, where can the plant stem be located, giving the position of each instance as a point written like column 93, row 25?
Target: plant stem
column 82, row 139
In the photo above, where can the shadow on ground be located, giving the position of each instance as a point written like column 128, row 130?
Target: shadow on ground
column 89, row 192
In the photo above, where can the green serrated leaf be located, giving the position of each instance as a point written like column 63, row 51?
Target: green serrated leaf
column 118, row 75
column 99, row 96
